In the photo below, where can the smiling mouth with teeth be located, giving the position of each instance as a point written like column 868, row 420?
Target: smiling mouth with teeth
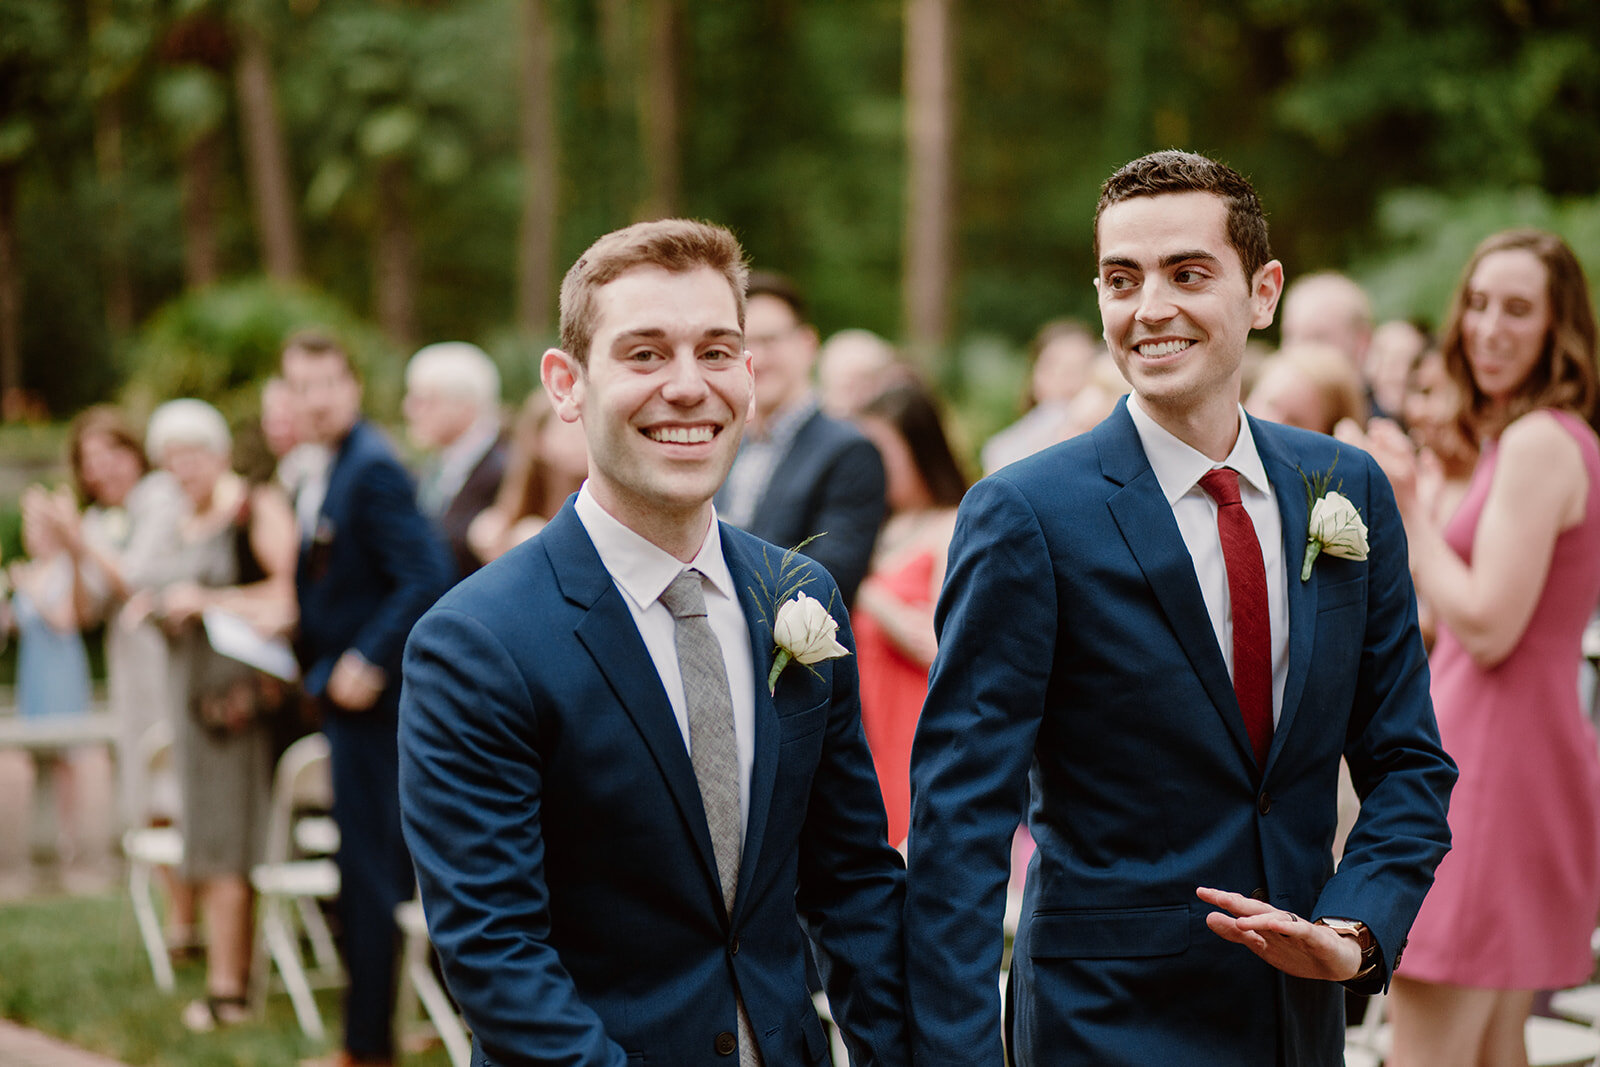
column 1165, row 348
column 682, row 435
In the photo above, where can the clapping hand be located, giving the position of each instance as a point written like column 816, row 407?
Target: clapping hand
column 1288, row 942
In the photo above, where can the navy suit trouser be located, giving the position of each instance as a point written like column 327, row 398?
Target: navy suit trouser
column 374, row 867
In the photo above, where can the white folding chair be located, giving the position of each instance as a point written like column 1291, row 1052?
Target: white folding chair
column 291, row 886
column 418, row 983
column 147, row 848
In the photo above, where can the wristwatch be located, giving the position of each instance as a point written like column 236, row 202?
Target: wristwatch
column 1353, row 928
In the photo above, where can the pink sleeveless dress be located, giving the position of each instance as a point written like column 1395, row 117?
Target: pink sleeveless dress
column 1515, row 900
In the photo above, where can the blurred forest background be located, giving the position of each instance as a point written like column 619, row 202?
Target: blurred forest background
column 181, row 181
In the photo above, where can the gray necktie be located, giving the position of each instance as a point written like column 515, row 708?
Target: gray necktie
column 712, row 748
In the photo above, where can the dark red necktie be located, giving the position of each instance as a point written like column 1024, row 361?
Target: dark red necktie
column 1247, row 593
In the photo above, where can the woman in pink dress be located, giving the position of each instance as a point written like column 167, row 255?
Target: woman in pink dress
column 893, row 615
column 1511, row 577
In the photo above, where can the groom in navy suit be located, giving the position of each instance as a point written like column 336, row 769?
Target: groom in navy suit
column 1134, row 645
column 629, row 810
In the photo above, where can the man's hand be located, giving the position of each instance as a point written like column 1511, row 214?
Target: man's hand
column 1283, row 939
column 355, row 684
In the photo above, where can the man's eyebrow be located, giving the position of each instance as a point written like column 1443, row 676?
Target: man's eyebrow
column 656, row 332
column 1186, row 257
column 1170, row 260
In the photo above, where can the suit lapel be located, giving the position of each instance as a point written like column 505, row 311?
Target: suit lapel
column 1290, row 490
column 1145, row 520
column 758, row 618
column 608, row 633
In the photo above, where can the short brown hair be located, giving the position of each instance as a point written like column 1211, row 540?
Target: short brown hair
column 676, row 245
column 1172, row 171
column 1565, row 376
column 109, row 421
column 319, row 342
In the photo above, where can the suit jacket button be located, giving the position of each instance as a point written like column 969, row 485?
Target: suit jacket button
column 733, row 946
column 1264, row 803
column 726, row 1044
column 1260, row 894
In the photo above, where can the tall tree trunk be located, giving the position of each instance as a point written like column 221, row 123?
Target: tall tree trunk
column 658, row 109
column 929, row 197
column 395, row 261
column 202, row 162
column 620, row 96
column 266, row 156
column 108, row 156
column 536, row 244
column 11, row 399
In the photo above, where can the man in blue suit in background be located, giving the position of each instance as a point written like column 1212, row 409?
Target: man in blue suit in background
column 800, row 473
column 1133, row 641
column 630, row 809
column 370, row 565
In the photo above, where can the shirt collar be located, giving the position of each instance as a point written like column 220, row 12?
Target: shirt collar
column 642, row 569
column 1179, row 468
column 465, row 451
column 787, row 423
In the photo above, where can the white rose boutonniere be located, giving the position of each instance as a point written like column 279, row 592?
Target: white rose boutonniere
column 806, row 633
column 1336, row 526
column 802, row 629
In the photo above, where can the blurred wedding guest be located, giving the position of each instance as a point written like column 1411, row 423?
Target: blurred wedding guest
column 1330, row 308
column 452, row 411
column 52, row 664
column 546, row 463
column 370, row 564
column 1312, row 386
column 1098, row 397
column 1061, row 358
column 800, row 473
column 234, row 553
column 1446, row 455
column 120, row 545
column 1512, row 578
column 1396, row 347
column 852, row 367
column 893, row 617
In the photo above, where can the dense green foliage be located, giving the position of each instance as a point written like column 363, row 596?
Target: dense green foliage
column 1386, row 137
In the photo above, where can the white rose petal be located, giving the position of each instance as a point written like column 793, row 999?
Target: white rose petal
column 1337, row 525
column 807, row 632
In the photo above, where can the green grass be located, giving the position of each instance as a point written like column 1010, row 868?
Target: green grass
column 73, row 967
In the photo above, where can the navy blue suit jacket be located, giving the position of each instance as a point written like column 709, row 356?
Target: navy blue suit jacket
column 1077, row 668
column 562, row 850
column 830, row 483
column 371, row 567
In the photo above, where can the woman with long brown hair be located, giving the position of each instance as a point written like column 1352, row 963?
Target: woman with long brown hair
column 1512, row 577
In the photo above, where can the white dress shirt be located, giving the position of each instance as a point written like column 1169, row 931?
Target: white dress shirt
column 642, row 571
column 1179, row 469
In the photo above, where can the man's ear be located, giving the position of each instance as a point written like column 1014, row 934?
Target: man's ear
column 750, row 369
column 563, row 379
column 1265, row 289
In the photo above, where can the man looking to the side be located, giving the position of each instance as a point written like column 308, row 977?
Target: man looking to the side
column 1131, row 638
column 629, row 814
column 799, row 472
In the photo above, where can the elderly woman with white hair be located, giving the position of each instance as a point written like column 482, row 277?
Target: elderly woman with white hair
column 235, row 553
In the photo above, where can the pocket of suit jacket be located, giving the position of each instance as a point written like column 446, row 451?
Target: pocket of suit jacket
column 1109, row 933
